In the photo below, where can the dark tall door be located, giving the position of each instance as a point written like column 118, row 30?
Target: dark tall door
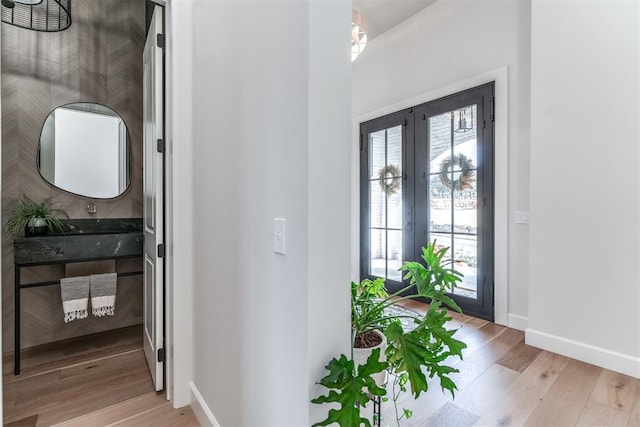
column 427, row 174
column 454, row 189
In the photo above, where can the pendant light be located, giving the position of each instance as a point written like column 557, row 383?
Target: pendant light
column 464, row 124
column 37, row 15
column 358, row 34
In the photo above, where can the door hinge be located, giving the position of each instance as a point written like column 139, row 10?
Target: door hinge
column 161, row 146
column 161, row 355
column 361, row 142
column 161, row 250
column 406, row 122
column 161, row 41
column 493, row 109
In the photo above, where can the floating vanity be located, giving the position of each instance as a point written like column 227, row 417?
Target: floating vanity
column 84, row 240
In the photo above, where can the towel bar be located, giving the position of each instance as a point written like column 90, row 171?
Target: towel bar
column 18, row 287
column 57, row 282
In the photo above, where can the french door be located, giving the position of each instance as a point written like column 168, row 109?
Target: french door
column 427, row 174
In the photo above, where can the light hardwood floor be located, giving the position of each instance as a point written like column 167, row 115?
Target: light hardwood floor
column 93, row 381
column 504, row 382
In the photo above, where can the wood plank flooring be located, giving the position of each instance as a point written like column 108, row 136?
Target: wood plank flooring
column 104, row 381
column 97, row 380
column 504, row 382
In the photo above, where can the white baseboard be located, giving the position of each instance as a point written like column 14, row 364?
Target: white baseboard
column 517, row 322
column 200, row 409
column 598, row 356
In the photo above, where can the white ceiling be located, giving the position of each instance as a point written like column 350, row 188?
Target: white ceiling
column 380, row 15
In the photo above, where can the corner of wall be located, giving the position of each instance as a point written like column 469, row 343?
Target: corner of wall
column 518, row 322
column 201, row 410
column 598, row 356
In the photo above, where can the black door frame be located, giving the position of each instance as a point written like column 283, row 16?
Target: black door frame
column 402, row 118
column 483, row 97
column 415, row 174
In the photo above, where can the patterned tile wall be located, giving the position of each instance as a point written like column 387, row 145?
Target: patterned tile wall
column 98, row 59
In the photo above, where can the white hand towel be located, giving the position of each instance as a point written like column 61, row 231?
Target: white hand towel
column 75, row 297
column 103, row 294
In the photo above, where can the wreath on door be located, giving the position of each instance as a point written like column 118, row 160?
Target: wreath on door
column 465, row 180
column 390, row 179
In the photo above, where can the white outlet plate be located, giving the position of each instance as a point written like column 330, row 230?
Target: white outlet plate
column 522, row 217
column 279, row 235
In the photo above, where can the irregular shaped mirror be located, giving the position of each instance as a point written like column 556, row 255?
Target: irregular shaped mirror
column 84, row 149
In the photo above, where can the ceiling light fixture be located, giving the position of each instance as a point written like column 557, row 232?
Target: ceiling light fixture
column 358, row 34
column 37, row 15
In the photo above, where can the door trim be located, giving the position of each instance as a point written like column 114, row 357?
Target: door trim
column 501, row 156
column 178, row 197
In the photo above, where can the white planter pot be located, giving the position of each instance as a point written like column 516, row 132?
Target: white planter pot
column 360, row 356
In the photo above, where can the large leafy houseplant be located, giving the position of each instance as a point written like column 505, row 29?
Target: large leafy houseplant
column 29, row 215
column 412, row 353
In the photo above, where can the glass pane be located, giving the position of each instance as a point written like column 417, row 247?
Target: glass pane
column 377, row 203
column 466, row 262
column 439, row 139
column 394, row 150
column 378, row 255
column 394, row 259
column 376, row 153
column 394, row 203
column 465, row 156
column 465, row 204
column 439, row 205
column 443, row 240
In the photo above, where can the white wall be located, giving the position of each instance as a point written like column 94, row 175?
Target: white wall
column 584, row 298
column 271, row 128
column 450, row 42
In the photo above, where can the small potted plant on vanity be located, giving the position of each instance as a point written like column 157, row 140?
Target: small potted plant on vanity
column 399, row 354
column 35, row 218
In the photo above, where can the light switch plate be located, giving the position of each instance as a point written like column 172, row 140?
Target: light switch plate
column 279, row 235
column 522, row 217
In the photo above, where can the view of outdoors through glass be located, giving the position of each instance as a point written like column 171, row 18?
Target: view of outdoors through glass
column 453, row 197
column 385, row 185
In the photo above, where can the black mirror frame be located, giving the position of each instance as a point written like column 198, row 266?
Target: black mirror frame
column 129, row 171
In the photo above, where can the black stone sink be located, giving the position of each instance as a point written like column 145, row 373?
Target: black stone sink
column 83, row 240
column 102, row 226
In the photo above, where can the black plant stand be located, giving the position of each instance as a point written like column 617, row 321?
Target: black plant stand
column 377, row 410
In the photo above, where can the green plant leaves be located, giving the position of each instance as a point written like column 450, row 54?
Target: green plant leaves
column 350, row 388
column 26, row 209
column 406, row 353
column 413, row 356
column 428, row 346
column 433, row 280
